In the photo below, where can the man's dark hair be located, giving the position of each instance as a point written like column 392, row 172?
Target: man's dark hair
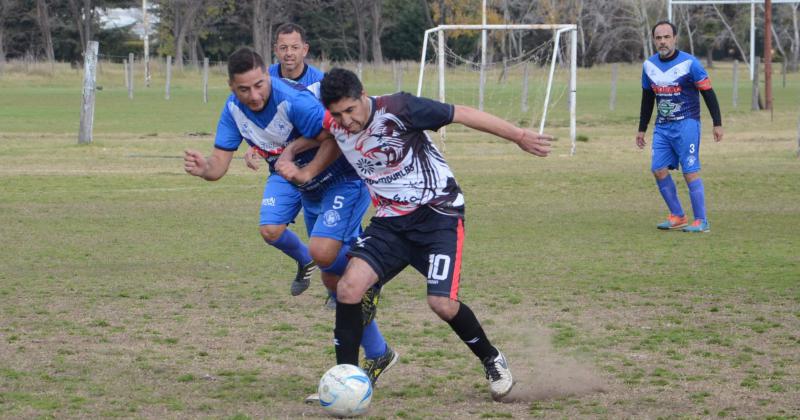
column 338, row 84
column 243, row 60
column 288, row 28
column 664, row 22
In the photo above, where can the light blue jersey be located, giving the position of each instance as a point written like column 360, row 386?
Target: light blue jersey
column 676, row 83
column 291, row 112
column 310, row 78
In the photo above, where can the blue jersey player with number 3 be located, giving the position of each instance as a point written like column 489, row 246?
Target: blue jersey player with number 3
column 674, row 80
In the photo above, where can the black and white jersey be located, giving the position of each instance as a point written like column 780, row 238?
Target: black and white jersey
column 397, row 159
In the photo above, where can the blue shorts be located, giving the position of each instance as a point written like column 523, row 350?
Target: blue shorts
column 677, row 143
column 280, row 202
column 337, row 212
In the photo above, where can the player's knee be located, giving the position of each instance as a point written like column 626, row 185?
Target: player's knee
column 661, row 173
column 444, row 307
column 348, row 291
column 324, row 251
column 691, row 177
column 271, row 233
column 322, row 256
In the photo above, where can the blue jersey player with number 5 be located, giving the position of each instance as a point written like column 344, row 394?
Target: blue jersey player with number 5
column 674, row 80
column 270, row 114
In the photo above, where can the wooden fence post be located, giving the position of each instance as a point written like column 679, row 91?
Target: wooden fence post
column 755, row 98
column 612, row 102
column 87, row 105
column 205, row 80
column 735, row 83
column 130, row 76
column 169, row 77
column 526, row 72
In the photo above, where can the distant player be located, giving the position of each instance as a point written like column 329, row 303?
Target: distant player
column 271, row 114
column 291, row 49
column 420, row 215
column 673, row 79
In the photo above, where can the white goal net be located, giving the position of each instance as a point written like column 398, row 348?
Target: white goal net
column 525, row 74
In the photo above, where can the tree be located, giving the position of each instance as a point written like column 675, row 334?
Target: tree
column 358, row 6
column 44, row 25
column 377, row 28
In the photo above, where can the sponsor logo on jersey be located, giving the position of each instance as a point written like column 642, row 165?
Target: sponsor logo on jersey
column 667, row 108
column 365, row 166
column 666, row 90
column 331, row 218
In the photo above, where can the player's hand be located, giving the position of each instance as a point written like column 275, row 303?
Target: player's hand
column 251, row 158
column 194, row 163
column 291, row 172
column 640, row 141
column 534, row 143
column 718, row 133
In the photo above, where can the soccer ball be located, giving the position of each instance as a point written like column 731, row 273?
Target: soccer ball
column 345, row 391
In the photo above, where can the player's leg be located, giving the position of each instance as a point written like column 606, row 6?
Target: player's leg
column 342, row 208
column 690, row 164
column 438, row 257
column 279, row 206
column 377, row 256
column 664, row 158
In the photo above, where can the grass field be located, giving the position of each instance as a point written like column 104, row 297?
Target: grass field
column 129, row 289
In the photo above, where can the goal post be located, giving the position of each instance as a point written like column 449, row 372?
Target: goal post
column 558, row 31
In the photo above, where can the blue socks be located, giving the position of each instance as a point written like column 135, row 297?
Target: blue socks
column 372, row 340
column 667, row 188
column 698, row 196
column 292, row 246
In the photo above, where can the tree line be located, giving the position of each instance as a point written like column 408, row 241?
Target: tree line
column 378, row 30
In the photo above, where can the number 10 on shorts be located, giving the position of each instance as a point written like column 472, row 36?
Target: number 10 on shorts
column 438, row 267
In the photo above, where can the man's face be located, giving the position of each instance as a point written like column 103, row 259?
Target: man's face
column 251, row 88
column 291, row 51
column 351, row 113
column 664, row 40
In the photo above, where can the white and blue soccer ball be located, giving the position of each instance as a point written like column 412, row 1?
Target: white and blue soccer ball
column 345, row 391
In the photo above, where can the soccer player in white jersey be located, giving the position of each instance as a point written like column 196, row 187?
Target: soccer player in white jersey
column 672, row 79
column 420, row 207
column 271, row 114
column 291, row 49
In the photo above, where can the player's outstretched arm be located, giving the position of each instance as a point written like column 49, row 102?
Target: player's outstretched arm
column 527, row 140
column 212, row 168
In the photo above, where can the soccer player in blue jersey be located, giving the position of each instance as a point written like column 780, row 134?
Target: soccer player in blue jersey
column 270, row 114
column 291, row 49
column 672, row 79
column 420, row 216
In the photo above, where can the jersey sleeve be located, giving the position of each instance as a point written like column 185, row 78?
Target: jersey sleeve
column 700, row 76
column 307, row 115
column 645, row 80
column 427, row 114
column 228, row 137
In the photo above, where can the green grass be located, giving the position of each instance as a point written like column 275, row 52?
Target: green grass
column 130, row 289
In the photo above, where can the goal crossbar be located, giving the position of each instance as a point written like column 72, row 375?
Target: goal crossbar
column 558, row 28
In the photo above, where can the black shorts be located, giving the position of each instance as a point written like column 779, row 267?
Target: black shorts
column 429, row 241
